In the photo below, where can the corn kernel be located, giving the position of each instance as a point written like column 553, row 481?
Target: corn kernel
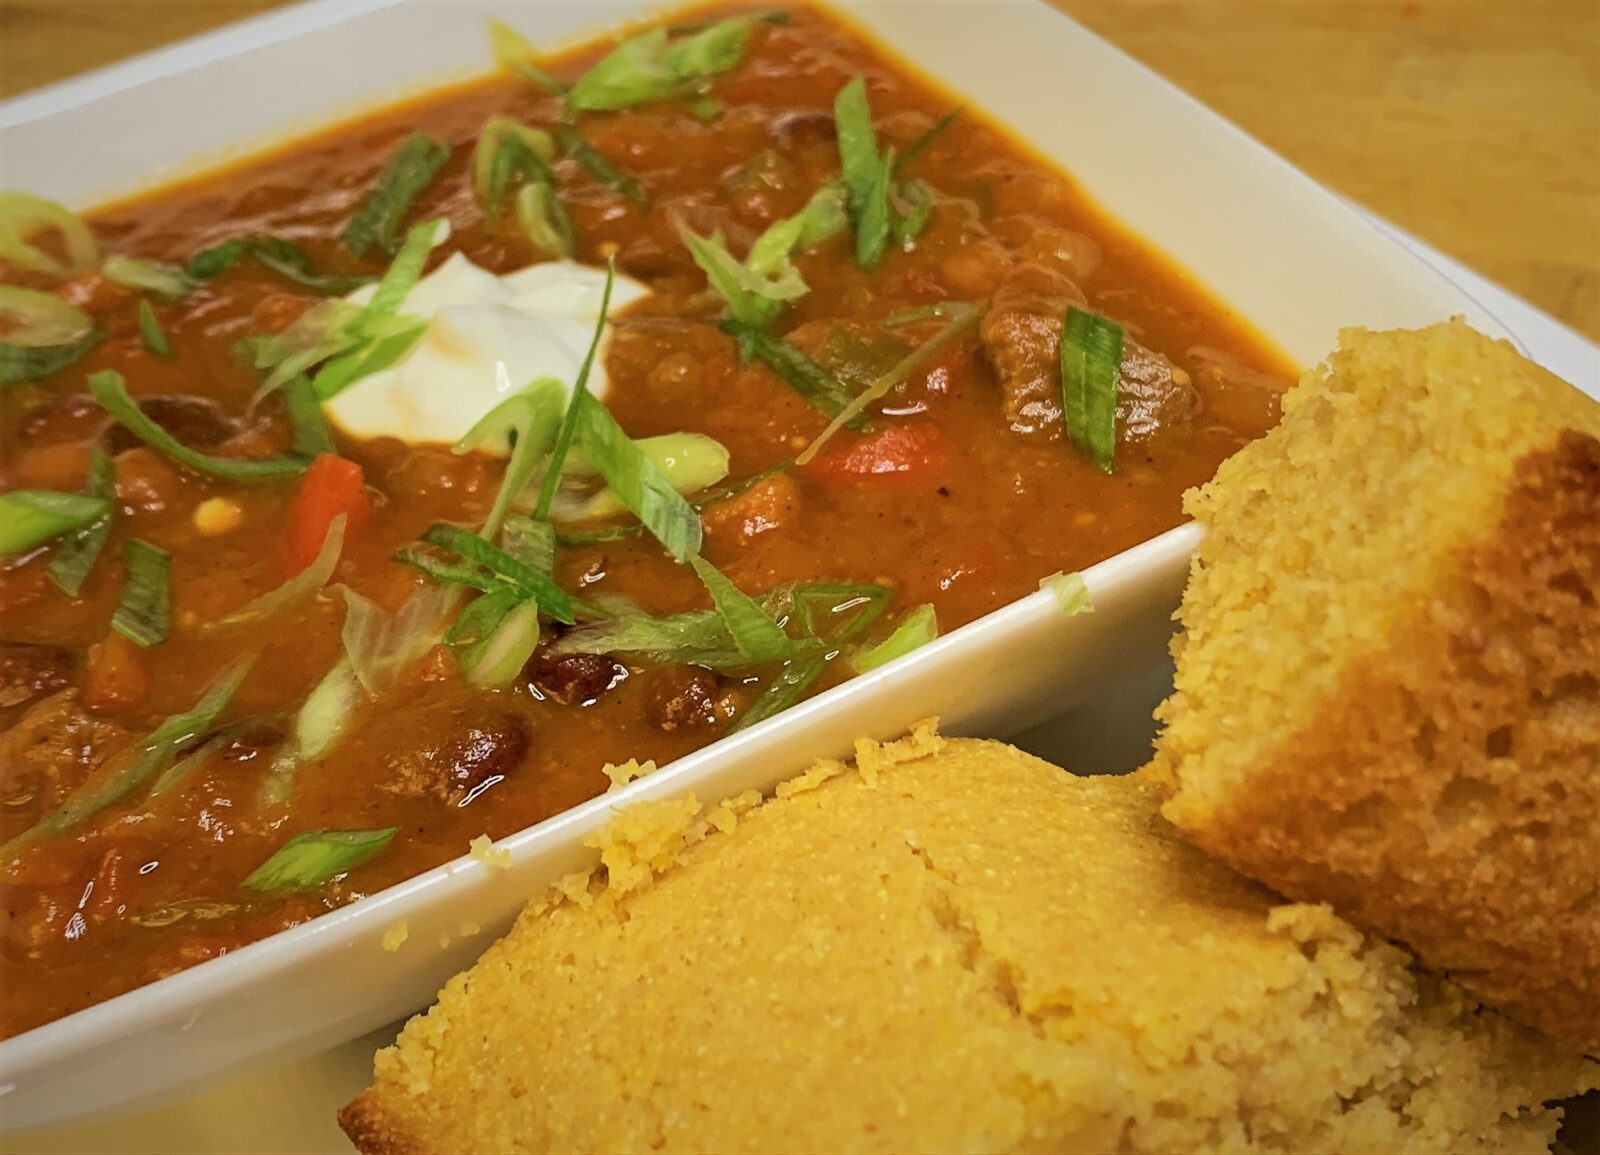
column 217, row 515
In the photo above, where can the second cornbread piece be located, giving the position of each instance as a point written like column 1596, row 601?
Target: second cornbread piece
column 955, row 947
column 1388, row 688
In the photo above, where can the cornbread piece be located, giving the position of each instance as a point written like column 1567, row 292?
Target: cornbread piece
column 1388, row 690
column 954, row 947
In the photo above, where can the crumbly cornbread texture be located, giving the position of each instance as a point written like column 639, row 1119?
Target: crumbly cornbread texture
column 952, row 947
column 1388, row 688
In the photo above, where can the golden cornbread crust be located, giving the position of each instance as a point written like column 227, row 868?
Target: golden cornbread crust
column 1443, row 787
column 950, row 946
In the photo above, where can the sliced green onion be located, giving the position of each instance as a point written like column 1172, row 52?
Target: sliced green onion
column 786, row 689
column 76, row 556
column 960, row 318
column 513, row 51
column 533, row 543
column 45, row 334
column 111, row 392
column 285, row 258
column 343, row 371
column 568, row 428
column 637, row 481
column 1091, row 360
column 530, row 420
column 23, row 214
column 754, row 299
column 354, row 340
column 874, row 215
column 410, row 170
column 755, row 635
column 321, row 719
column 308, row 860
column 592, row 160
column 824, row 217
column 651, row 66
column 31, row 517
column 858, row 143
column 705, row 109
column 132, row 767
column 919, row 146
column 499, row 658
column 1071, row 592
column 298, row 588
column 698, row 638
column 690, row 461
column 818, row 386
column 184, row 769
column 164, row 280
column 144, row 614
column 858, row 603
column 502, row 567
column 481, row 618
column 151, row 333
column 506, row 150
column 916, row 629
column 544, row 220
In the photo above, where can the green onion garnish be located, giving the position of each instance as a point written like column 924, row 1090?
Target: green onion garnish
column 76, row 556
column 164, row 280
column 505, row 151
column 23, row 214
column 151, row 333
column 298, row 588
column 308, row 860
column 544, row 220
column 533, row 543
column 652, row 66
column 637, row 481
column 796, row 370
column 705, row 109
column 787, row 688
column 959, row 317
column 880, row 205
column 916, row 629
column 568, row 429
column 409, row 171
column 754, row 298
column 514, row 52
column 143, row 615
column 756, row 636
column 285, row 258
column 354, row 340
column 132, row 766
column 1091, row 360
column 530, row 421
column 690, row 461
column 499, row 657
column 310, row 430
column 31, row 517
column 1071, row 592
column 490, row 569
column 46, row 334
column 580, row 150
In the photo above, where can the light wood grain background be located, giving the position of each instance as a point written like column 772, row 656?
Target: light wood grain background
column 1473, row 123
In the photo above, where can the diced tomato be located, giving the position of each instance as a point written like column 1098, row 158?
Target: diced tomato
column 899, row 449
column 333, row 485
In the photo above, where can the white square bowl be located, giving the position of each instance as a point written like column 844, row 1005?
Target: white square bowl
column 1278, row 248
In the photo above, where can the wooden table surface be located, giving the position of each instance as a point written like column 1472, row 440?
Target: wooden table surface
column 1475, row 124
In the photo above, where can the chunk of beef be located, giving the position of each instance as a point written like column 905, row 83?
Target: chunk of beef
column 575, row 678
column 687, row 697
column 198, row 423
column 52, row 750
column 451, row 750
column 1021, row 337
column 31, row 671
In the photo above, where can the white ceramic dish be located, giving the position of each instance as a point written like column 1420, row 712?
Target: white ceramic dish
column 1280, row 249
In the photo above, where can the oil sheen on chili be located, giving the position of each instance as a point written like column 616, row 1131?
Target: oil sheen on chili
column 958, row 489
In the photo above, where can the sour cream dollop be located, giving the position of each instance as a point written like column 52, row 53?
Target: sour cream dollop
column 488, row 336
